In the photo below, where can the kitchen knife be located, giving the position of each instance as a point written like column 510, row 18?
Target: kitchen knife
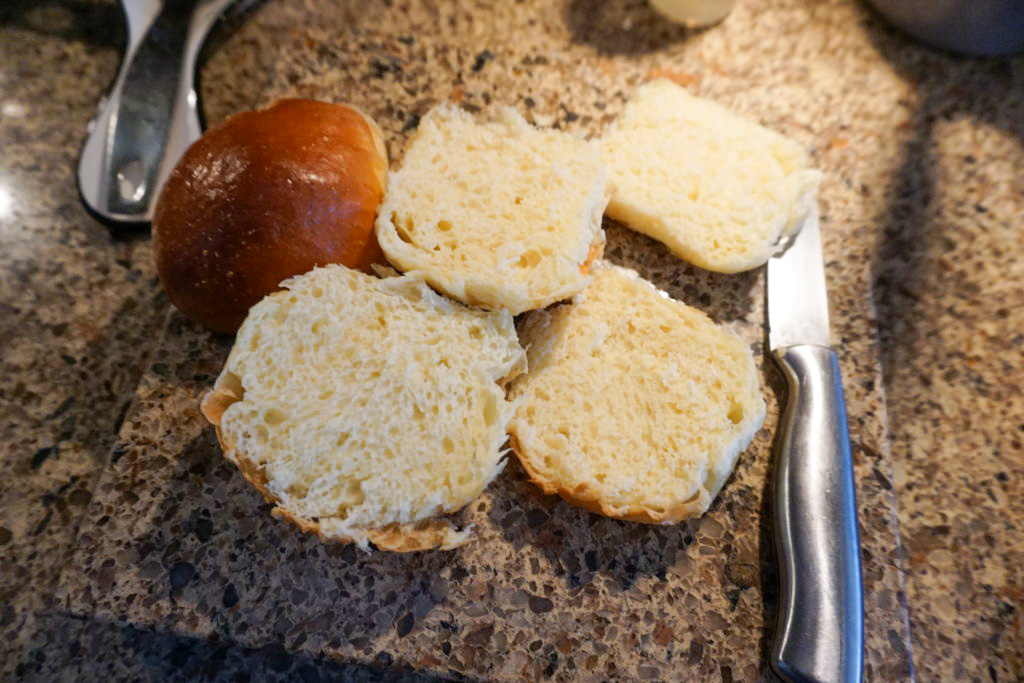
column 820, row 631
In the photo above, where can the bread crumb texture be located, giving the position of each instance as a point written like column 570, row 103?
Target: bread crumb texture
column 362, row 407
column 718, row 190
column 636, row 406
column 496, row 214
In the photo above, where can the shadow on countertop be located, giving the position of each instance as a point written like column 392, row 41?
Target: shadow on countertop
column 92, row 649
column 949, row 88
column 301, row 587
column 100, row 24
column 623, row 27
column 940, row 235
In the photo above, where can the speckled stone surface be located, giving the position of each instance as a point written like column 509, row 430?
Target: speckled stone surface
column 78, row 309
column 950, row 290
column 133, row 551
column 175, row 538
column 79, row 649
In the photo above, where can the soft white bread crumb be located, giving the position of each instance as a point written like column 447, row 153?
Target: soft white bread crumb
column 635, row 406
column 363, row 407
column 496, row 214
column 718, row 190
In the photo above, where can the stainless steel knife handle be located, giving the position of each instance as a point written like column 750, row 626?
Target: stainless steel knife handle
column 820, row 633
column 151, row 114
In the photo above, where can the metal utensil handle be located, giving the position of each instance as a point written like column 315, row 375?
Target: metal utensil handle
column 144, row 112
column 151, row 115
column 821, row 617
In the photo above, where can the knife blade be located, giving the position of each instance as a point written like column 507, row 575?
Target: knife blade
column 820, row 631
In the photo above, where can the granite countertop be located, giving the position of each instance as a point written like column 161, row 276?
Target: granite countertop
column 132, row 550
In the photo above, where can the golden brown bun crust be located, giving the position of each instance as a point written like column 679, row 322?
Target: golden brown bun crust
column 590, row 500
column 594, row 254
column 264, row 196
column 400, row 538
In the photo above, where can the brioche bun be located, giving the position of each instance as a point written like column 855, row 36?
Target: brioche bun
column 718, row 190
column 366, row 408
column 495, row 213
column 636, row 406
column 264, row 196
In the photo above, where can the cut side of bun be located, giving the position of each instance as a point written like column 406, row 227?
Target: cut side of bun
column 497, row 214
column 635, row 406
column 364, row 408
column 718, row 190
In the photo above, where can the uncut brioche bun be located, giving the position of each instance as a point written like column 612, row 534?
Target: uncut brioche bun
column 365, row 407
column 264, row 196
column 635, row 406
